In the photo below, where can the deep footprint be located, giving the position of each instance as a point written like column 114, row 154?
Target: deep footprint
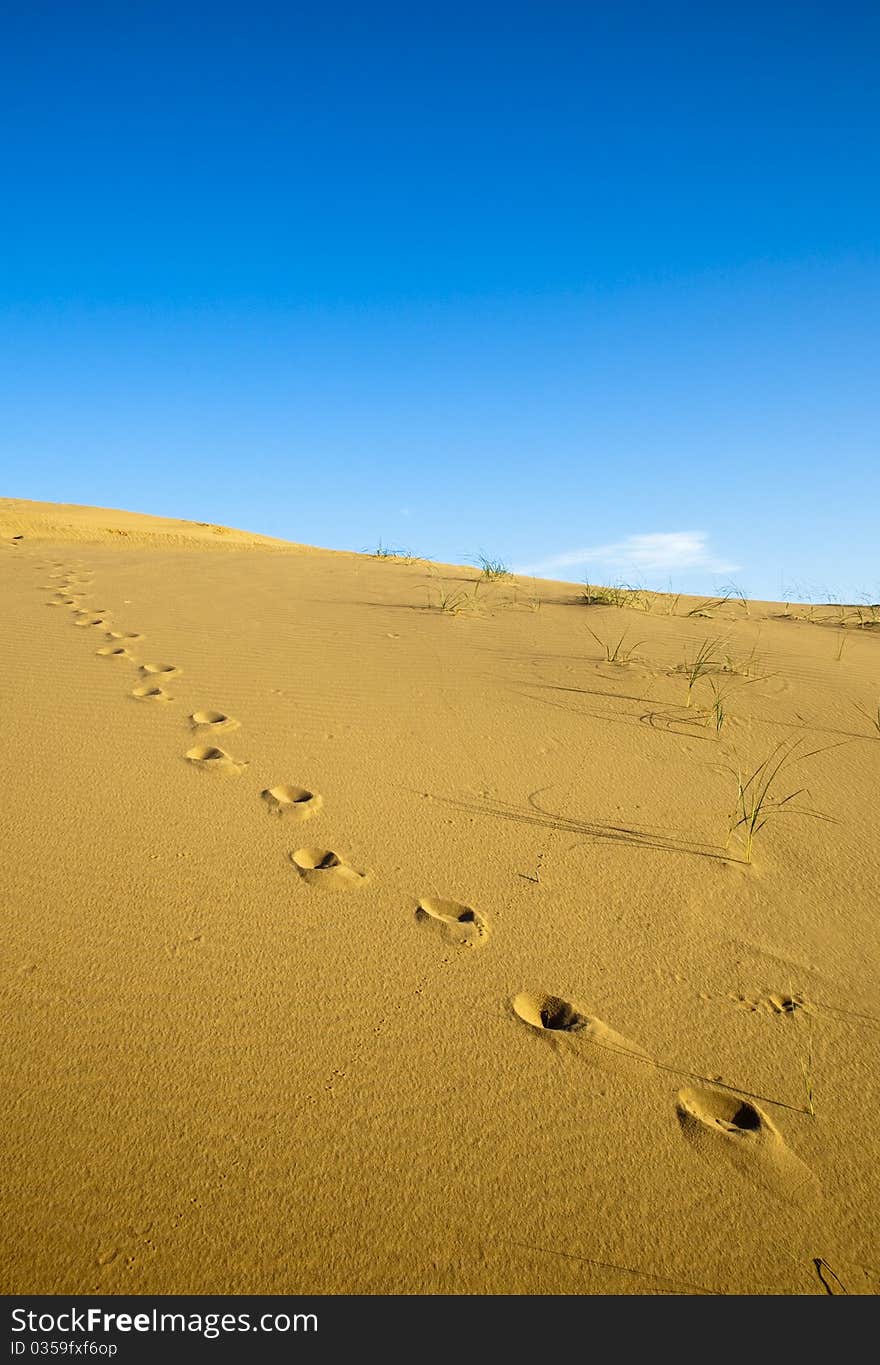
column 151, row 694
column 162, row 670
column 457, row 924
column 212, row 720
column 548, row 1012
column 113, row 652
column 323, row 867
column 218, row 760
column 551, row 1016
column 720, row 1123
column 298, row 803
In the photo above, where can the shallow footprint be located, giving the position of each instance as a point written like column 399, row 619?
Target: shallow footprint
column 151, row 692
column 457, row 924
column 218, row 760
column 296, row 802
column 130, row 636
column 550, row 1015
column 323, row 867
column 90, row 620
column 113, row 652
column 212, row 720
column 163, row 670
column 722, row 1124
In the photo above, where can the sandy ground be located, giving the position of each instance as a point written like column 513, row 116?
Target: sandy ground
column 355, row 945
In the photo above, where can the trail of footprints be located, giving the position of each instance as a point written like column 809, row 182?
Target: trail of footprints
column 718, row 1123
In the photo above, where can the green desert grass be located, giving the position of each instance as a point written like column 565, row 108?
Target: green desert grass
column 718, row 710
column 383, row 551
column 707, row 659
column 457, row 601
column 493, row 569
column 758, row 799
column 734, row 593
column 616, row 595
column 709, row 607
column 616, row 653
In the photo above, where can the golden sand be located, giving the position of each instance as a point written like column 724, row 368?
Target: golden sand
column 352, row 944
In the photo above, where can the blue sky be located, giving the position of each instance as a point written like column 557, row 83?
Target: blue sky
column 593, row 289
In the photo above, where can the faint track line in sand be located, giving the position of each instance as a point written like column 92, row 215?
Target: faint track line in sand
column 687, row 1286
column 632, row 835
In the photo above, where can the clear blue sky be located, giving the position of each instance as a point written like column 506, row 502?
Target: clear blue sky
column 592, row 288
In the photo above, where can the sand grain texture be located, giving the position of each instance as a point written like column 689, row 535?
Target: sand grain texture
column 245, row 1056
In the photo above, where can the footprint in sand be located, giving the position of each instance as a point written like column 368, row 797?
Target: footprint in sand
column 553, row 1017
column 722, row 1124
column 151, row 693
column 160, row 670
column 298, row 803
column 323, row 867
column 113, row 652
column 774, row 1003
column 90, row 620
column 208, row 756
column 212, row 720
column 456, row 924
column 128, row 636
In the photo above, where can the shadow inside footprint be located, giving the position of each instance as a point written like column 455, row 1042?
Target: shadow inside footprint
column 151, row 694
column 721, row 1123
column 548, row 1012
column 212, row 720
column 323, row 867
column 457, row 924
column 208, row 756
column 298, row 803
column 554, row 1019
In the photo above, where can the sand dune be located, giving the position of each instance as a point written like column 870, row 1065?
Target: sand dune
column 402, row 943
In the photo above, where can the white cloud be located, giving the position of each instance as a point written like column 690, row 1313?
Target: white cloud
column 658, row 552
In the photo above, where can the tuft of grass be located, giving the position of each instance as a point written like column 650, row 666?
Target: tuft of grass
column 617, row 595
column 596, row 596
column 705, row 660
column 756, row 798
column 458, row 601
column 712, row 604
column 717, row 710
column 733, row 592
column 493, row 568
column 383, row 551
column 616, row 654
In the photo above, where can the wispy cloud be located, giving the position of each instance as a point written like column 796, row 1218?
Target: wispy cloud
column 658, row 552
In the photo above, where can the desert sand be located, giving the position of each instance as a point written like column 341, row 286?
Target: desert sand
column 351, row 944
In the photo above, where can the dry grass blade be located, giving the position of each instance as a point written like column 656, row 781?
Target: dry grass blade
column 873, row 718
